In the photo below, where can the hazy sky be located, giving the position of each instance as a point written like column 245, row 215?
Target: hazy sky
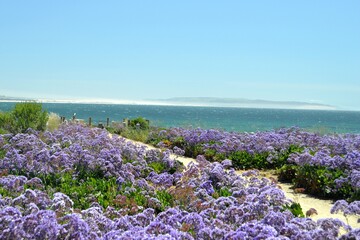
column 272, row 50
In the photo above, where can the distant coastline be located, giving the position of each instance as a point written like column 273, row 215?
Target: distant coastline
column 193, row 102
column 246, row 103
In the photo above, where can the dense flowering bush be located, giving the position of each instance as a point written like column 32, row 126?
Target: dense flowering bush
column 327, row 166
column 79, row 183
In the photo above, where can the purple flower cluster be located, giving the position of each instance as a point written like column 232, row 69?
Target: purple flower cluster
column 334, row 152
column 225, row 142
column 346, row 208
column 210, row 201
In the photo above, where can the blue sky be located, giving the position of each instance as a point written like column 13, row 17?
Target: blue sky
column 273, row 50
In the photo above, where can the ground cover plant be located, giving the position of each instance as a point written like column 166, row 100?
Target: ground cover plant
column 323, row 165
column 79, row 183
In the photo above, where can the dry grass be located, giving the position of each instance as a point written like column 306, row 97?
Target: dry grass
column 53, row 122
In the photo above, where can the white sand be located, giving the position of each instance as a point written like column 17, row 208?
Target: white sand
column 306, row 201
column 322, row 206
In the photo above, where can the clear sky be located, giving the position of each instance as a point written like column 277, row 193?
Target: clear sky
column 273, row 50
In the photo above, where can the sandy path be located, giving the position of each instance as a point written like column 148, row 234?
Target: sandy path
column 306, row 201
column 322, row 206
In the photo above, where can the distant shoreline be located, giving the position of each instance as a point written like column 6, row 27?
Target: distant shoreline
column 163, row 103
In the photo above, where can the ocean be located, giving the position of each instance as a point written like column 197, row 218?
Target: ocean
column 229, row 119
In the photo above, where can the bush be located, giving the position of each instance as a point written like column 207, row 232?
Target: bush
column 321, row 181
column 142, row 122
column 6, row 122
column 24, row 115
column 246, row 160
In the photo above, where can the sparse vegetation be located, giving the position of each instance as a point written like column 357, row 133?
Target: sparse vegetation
column 136, row 129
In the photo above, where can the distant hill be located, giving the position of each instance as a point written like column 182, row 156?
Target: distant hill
column 241, row 102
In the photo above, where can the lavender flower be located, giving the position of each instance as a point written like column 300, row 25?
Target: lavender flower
column 178, row 151
column 208, row 187
column 253, row 211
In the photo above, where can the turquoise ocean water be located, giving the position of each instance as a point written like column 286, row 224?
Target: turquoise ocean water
column 229, row 119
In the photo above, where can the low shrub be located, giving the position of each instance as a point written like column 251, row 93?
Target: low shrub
column 321, row 181
column 140, row 122
column 25, row 115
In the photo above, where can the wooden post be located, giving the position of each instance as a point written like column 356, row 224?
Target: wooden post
column 126, row 122
column 107, row 122
column 90, row 121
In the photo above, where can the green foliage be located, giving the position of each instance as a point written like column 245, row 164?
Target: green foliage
column 2, row 153
column 245, row 160
column 210, row 153
column 141, row 122
column 165, row 198
column 287, row 173
column 83, row 192
column 134, row 134
column 111, row 130
column 158, row 167
column 83, row 172
column 194, row 150
column 85, row 186
column 320, row 181
column 6, row 193
column 222, row 192
column 295, row 209
column 24, row 115
column 179, row 142
column 82, row 189
column 355, row 196
column 135, row 195
column 29, row 115
column 6, row 122
column 82, row 186
column 3, row 131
